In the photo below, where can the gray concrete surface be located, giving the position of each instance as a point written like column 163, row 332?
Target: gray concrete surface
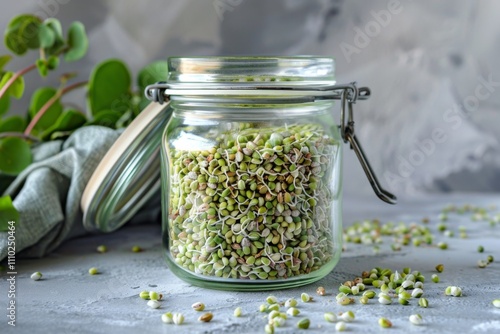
column 69, row 300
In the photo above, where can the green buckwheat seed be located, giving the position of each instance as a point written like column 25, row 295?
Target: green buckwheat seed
column 136, row 249
column 303, row 323
column 153, row 295
column 417, row 293
column 403, row 301
column 36, row 276
column 442, row 245
column 273, row 307
column 482, row 263
column 384, row 323
column 278, row 322
column 305, row 297
column 348, row 316
column 422, row 302
column 293, row 311
column 178, row 318
column 416, row 319
column 271, row 300
column 369, row 294
column 340, row 326
column 167, row 318
column 330, row 317
column 256, row 205
column 238, row 312
column 496, row 303
column 198, row 306
column 206, row 317
column 102, row 249
column 144, row 295
column 154, row 304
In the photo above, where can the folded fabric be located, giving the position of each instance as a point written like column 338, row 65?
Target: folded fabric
column 47, row 194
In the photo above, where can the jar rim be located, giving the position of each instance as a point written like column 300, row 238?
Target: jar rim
column 254, row 69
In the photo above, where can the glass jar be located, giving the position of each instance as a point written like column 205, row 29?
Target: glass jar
column 251, row 170
column 252, row 187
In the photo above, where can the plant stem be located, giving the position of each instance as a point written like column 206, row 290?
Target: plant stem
column 19, row 135
column 16, row 75
column 49, row 104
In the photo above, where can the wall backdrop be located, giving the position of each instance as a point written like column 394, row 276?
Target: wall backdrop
column 433, row 122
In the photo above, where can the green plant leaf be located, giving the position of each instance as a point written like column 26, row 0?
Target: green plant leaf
column 68, row 121
column 52, row 62
column 4, row 104
column 29, row 32
column 77, row 42
column 39, row 98
column 42, row 67
column 59, row 43
column 15, row 155
column 8, row 213
column 107, row 118
column 4, row 60
column 46, row 36
column 14, row 43
column 22, row 33
column 152, row 73
column 12, row 124
column 17, row 88
column 56, row 27
column 110, row 87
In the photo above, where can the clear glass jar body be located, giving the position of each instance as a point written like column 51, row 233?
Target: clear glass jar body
column 251, row 190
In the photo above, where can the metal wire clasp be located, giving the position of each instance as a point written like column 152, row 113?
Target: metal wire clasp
column 349, row 97
column 348, row 94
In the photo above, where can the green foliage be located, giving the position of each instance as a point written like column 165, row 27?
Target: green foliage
column 46, row 36
column 16, row 89
column 7, row 213
column 4, row 60
column 22, row 34
column 111, row 100
column 4, row 104
column 68, row 121
column 110, row 87
column 16, row 155
column 107, row 118
column 77, row 42
column 40, row 97
column 154, row 72
column 12, row 124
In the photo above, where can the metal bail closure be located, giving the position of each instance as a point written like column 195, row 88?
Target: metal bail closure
column 347, row 131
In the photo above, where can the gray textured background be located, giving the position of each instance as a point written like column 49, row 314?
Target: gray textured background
column 432, row 124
